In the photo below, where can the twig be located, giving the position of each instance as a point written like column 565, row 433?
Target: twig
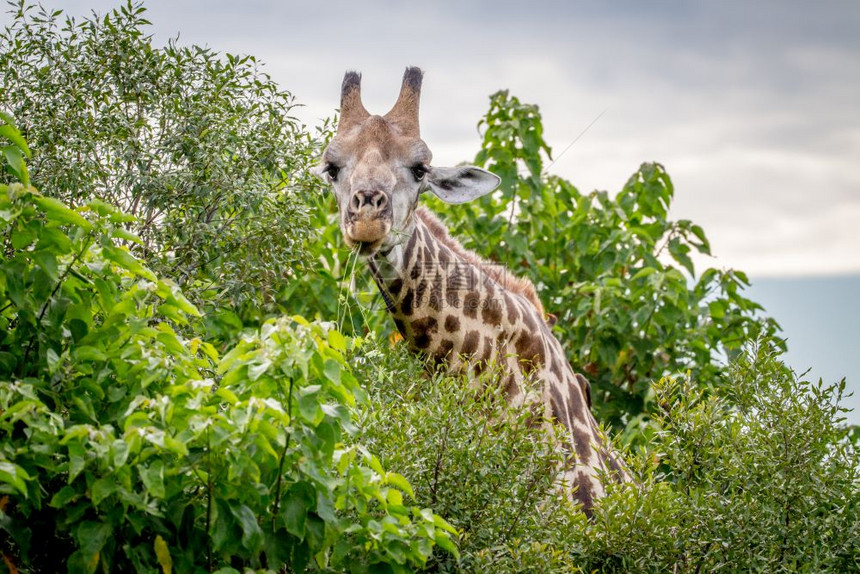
column 283, row 456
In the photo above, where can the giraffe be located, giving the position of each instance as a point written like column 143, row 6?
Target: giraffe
column 447, row 302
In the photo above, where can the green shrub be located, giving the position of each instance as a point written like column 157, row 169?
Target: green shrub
column 125, row 446
column 758, row 475
column 480, row 463
column 200, row 147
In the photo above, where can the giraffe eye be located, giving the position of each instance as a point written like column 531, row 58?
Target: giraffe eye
column 419, row 171
column 332, row 171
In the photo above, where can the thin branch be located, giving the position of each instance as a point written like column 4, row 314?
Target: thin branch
column 283, row 456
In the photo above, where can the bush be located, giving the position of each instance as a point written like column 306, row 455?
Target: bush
column 200, row 147
column 126, row 446
column 480, row 463
column 759, row 475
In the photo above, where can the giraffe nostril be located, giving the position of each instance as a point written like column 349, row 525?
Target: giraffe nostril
column 368, row 200
column 380, row 202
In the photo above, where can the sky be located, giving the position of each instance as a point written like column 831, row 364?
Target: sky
column 750, row 106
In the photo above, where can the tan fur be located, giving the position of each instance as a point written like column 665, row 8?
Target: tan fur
column 503, row 277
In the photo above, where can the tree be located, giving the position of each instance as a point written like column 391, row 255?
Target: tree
column 614, row 269
column 199, row 147
column 127, row 446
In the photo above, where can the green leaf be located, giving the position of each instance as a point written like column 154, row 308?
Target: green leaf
column 444, row 541
column 13, row 135
column 398, row 481
column 63, row 497
column 14, row 475
column 336, row 340
column 295, row 513
column 644, row 272
column 252, row 535
column 127, row 261
column 58, row 211
column 15, row 161
column 152, row 476
column 122, row 233
column 102, row 488
column 92, row 536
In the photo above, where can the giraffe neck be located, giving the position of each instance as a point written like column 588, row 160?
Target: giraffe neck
column 448, row 305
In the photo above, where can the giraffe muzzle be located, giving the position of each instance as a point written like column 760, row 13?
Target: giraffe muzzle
column 368, row 220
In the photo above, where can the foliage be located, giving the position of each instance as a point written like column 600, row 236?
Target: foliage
column 758, row 475
column 480, row 463
column 200, row 147
column 615, row 269
column 128, row 447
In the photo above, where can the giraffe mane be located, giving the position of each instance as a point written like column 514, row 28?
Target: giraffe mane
column 519, row 285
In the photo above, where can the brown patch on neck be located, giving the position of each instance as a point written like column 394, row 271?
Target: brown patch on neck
column 503, row 277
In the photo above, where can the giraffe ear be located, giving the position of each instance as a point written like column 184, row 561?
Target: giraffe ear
column 462, row 183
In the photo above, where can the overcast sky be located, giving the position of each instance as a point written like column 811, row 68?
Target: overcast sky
column 751, row 106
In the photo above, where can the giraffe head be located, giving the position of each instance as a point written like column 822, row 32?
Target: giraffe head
column 378, row 167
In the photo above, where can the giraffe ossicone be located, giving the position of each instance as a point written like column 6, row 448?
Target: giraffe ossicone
column 446, row 301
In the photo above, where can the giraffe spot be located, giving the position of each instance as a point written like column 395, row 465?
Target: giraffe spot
column 452, row 298
column 395, row 286
column 471, row 302
column 511, row 304
column 487, row 351
column 452, row 323
column 492, row 312
column 407, row 305
column 512, row 389
column 535, row 418
column 444, row 349
column 409, row 251
column 486, row 354
column 427, row 236
column 422, row 331
column 443, row 257
column 420, row 290
column 575, row 397
column 529, row 349
column 583, row 494
column 558, row 404
column 470, row 343
column 618, row 471
column 582, row 444
column 555, row 368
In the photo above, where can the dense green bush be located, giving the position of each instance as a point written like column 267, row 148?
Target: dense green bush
column 125, row 446
column 759, row 475
column 472, row 458
column 200, row 147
